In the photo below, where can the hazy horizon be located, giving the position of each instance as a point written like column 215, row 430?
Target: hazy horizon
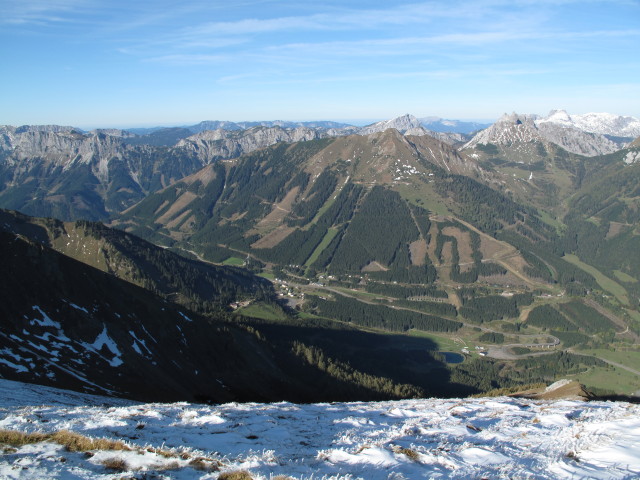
column 354, row 122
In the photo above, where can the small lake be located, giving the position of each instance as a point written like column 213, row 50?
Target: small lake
column 452, row 357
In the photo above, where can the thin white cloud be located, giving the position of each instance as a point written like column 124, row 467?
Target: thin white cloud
column 408, row 14
column 230, row 79
column 410, row 45
column 345, row 19
column 265, row 79
column 190, row 59
column 39, row 12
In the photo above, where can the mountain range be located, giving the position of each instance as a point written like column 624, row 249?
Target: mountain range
column 383, row 252
column 65, row 173
column 435, row 124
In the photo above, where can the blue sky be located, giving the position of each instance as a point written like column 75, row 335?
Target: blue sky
column 91, row 63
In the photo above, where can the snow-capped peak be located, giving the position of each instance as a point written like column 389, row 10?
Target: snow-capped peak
column 589, row 134
column 558, row 116
column 602, row 123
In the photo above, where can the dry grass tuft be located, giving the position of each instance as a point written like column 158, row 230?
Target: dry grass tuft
column 408, row 452
column 362, row 448
column 167, row 466
column 162, row 453
column 573, row 456
column 236, row 475
column 204, row 464
column 116, row 464
column 18, row 439
column 73, row 442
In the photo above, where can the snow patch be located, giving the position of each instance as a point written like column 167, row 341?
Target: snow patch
column 482, row 456
column 137, row 342
column 82, row 309
column 14, row 366
column 632, row 157
column 46, row 321
column 103, row 340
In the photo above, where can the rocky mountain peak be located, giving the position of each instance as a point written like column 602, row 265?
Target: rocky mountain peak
column 114, row 132
column 516, row 119
column 402, row 124
column 508, row 130
column 406, row 120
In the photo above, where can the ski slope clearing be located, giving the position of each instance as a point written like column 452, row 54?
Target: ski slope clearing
column 432, row 438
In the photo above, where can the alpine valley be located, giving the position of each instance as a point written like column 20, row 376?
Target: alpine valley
column 320, row 261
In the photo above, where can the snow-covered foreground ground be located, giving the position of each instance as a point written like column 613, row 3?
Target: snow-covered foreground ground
column 469, row 438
